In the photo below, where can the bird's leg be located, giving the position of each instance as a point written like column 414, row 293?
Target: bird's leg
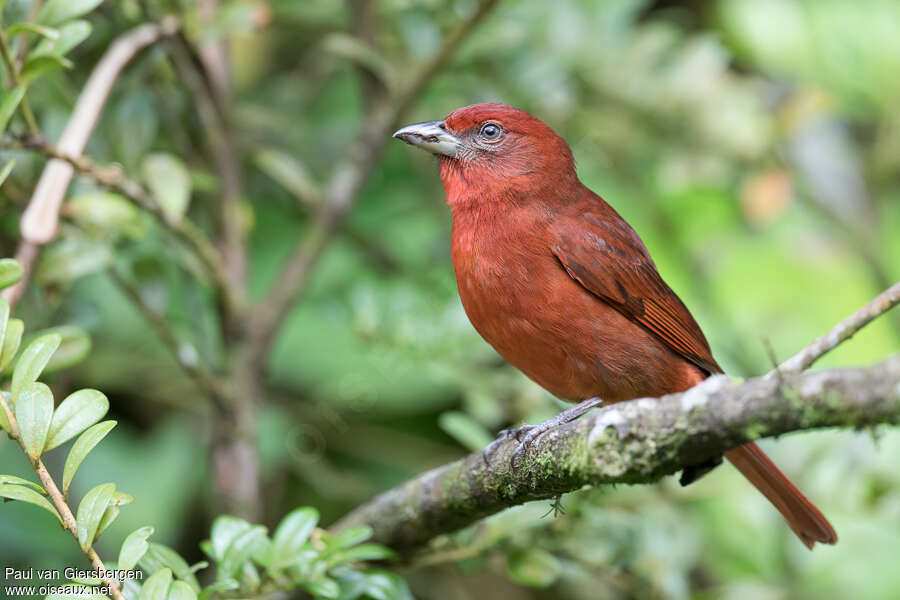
column 526, row 434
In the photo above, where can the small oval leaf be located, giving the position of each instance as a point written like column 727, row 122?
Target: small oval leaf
column 157, row 586
column 293, row 531
column 32, row 362
column 179, row 590
column 109, row 515
column 134, row 547
column 4, row 418
column 4, row 173
column 74, row 347
column 25, row 494
column 76, row 413
column 81, row 448
column 169, row 182
column 14, row 330
column 159, row 557
column 8, row 106
column 55, row 12
column 34, row 411
column 10, row 271
column 19, row 481
column 90, row 513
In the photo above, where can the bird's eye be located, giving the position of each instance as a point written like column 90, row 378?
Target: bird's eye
column 491, row 132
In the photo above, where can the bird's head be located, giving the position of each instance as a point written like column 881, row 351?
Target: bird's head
column 491, row 151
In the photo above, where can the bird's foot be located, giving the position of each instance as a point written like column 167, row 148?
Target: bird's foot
column 527, row 434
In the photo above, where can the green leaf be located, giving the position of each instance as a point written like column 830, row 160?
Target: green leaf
column 41, row 65
column 32, row 362
column 324, row 588
column 70, row 35
column 134, row 547
column 292, row 532
column 107, row 212
column 121, row 498
column 10, row 271
column 349, row 537
column 8, row 106
column 4, row 318
column 14, row 330
column 19, row 481
column 362, row 552
column 4, row 419
column 465, row 430
column 224, row 530
column 219, row 586
column 109, row 515
column 74, row 347
column 532, row 567
column 242, row 547
column 90, row 513
column 290, row 173
column 4, row 173
column 81, row 448
column 26, row 494
column 55, row 12
column 76, row 413
column 159, row 557
column 179, row 590
column 34, row 410
column 157, row 586
column 169, row 182
column 71, row 258
column 19, row 28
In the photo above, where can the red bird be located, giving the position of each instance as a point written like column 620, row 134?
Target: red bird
column 564, row 289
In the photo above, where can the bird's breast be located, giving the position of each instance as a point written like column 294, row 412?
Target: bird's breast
column 543, row 322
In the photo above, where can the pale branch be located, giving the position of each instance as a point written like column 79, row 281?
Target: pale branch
column 639, row 441
column 41, row 218
column 841, row 332
column 113, row 178
column 347, row 180
column 59, row 502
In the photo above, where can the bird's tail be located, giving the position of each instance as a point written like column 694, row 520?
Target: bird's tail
column 805, row 519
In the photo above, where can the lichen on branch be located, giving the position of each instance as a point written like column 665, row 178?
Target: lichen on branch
column 639, row 441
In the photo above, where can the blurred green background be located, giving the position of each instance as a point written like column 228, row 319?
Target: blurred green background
column 753, row 144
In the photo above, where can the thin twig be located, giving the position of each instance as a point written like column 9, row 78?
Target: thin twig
column 201, row 376
column 14, row 81
column 347, row 179
column 114, row 178
column 59, row 501
column 41, row 219
column 841, row 332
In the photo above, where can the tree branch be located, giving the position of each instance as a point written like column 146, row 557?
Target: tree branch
column 41, row 218
column 347, row 179
column 841, row 332
column 639, row 441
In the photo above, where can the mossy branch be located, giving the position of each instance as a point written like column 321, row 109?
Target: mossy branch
column 639, row 441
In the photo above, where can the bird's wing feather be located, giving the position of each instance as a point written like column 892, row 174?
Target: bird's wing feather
column 605, row 255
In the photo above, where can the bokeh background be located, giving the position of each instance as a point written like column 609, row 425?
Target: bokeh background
column 754, row 145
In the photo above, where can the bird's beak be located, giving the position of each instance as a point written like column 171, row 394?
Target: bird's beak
column 431, row 136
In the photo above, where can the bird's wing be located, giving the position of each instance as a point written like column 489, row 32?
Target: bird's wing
column 605, row 255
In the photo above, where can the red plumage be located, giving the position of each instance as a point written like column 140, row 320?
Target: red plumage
column 563, row 288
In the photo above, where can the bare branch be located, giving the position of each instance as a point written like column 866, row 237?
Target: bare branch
column 115, row 179
column 41, row 218
column 842, row 332
column 639, row 441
